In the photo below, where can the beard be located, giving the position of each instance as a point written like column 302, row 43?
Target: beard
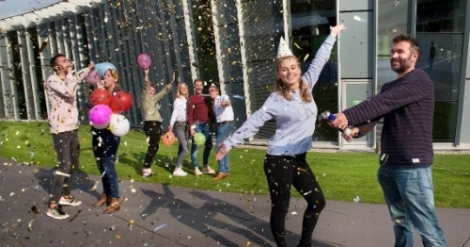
column 402, row 66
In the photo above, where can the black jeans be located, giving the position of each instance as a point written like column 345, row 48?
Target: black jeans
column 67, row 147
column 154, row 132
column 282, row 172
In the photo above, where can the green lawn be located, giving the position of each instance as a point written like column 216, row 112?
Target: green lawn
column 343, row 176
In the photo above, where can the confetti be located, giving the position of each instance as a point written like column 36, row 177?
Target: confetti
column 160, row 227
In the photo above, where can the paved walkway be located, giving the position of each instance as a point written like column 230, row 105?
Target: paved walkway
column 160, row 215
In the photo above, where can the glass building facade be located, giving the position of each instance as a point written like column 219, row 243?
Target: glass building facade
column 234, row 43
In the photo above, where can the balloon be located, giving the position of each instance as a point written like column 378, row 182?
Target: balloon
column 144, row 61
column 102, row 67
column 199, row 138
column 119, row 125
column 93, row 78
column 121, row 102
column 168, row 138
column 100, row 96
column 99, row 126
column 100, row 114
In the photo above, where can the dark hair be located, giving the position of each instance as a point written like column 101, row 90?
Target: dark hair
column 53, row 61
column 407, row 38
column 196, row 80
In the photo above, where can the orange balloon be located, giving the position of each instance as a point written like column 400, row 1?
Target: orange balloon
column 121, row 102
column 168, row 138
column 100, row 96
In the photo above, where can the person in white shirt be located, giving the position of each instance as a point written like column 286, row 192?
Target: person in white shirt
column 224, row 114
column 179, row 122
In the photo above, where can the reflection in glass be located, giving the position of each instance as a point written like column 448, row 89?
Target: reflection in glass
column 311, row 22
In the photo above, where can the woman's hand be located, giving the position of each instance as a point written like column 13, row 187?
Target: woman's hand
column 170, row 128
column 334, row 31
column 222, row 152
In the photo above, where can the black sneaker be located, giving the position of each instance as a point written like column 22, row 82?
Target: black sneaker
column 57, row 213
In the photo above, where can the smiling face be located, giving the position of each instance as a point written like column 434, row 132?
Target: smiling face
column 183, row 90
column 151, row 91
column 198, row 87
column 213, row 92
column 289, row 72
column 402, row 58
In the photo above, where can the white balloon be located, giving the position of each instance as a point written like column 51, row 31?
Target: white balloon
column 119, row 125
column 99, row 126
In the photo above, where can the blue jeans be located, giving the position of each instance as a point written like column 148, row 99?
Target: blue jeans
column 409, row 194
column 105, row 146
column 222, row 132
column 205, row 130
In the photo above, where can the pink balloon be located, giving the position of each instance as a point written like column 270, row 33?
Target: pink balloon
column 144, row 60
column 100, row 114
column 93, row 78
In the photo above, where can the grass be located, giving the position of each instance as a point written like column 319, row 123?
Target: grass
column 342, row 176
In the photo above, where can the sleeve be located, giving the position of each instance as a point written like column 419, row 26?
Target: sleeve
column 225, row 97
column 64, row 89
column 145, row 91
column 253, row 123
column 82, row 74
column 190, row 112
column 317, row 64
column 366, row 127
column 158, row 96
column 409, row 90
column 178, row 108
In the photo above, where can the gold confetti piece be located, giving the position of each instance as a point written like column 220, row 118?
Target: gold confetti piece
column 118, row 236
column 247, row 244
column 130, row 223
column 30, row 225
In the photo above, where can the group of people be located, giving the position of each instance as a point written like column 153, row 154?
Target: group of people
column 406, row 105
column 196, row 114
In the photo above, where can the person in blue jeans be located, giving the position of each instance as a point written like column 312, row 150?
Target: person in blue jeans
column 105, row 147
column 405, row 175
column 200, row 119
column 223, row 112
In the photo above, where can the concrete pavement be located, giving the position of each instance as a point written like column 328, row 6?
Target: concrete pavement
column 161, row 215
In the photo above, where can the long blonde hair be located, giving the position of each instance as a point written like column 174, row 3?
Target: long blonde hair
column 281, row 89
column 178, row 93
column 115, row 75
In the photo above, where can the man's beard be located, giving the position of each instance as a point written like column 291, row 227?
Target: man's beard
column 404, row 65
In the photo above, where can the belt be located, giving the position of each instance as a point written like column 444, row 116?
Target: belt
column 224, row 122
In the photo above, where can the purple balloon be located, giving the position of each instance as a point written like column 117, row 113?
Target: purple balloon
column 144, row 60
column 100, row 114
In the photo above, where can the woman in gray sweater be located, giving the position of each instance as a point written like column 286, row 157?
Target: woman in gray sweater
column 292, row 106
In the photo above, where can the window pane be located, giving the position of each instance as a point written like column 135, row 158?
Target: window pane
column 440, row 16
column 311, row 22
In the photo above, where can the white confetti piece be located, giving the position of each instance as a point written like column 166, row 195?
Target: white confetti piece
column 160, row 227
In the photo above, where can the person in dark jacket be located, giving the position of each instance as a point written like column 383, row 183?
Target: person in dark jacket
column 407, row 107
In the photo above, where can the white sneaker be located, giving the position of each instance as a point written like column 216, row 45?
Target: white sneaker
column 57, row 213
column 197, row 172
column 69, row 201
column 179, row 172
column 147, row 172
column 208, row 170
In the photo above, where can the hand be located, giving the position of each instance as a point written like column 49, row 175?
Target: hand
column 146, row 71
column 170, row 128
column 354, row 133
column 91, row 65
column 193, row 132
column 168, row 86
column 341, row 122
column 222, row 152
column 334, row 31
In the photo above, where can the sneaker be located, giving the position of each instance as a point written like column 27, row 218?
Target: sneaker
column 179, row 172
column 208, row 170
column 69, row 201
column 147, row 172
column 57, row 213
column 197, row 172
